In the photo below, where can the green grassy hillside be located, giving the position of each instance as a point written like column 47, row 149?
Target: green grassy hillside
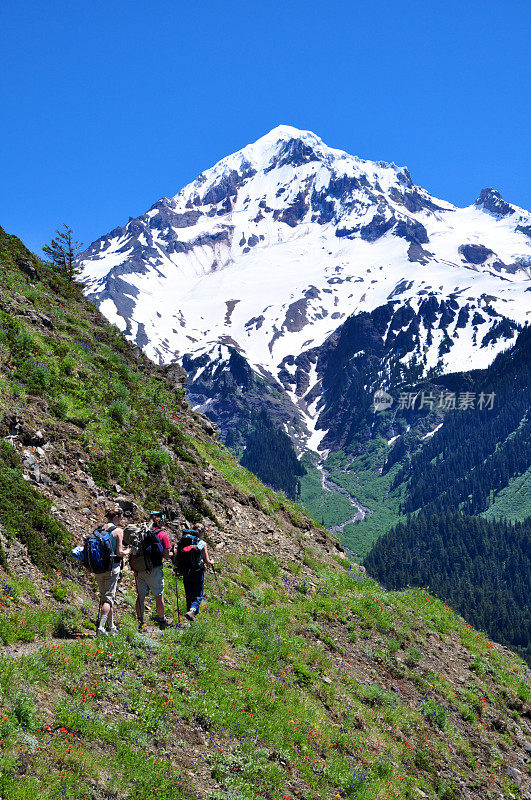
column 513, row 502
column 297, row 687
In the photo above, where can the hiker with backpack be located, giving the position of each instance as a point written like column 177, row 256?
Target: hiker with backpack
column 104, row 552
column 190, row 557
column 150, row 545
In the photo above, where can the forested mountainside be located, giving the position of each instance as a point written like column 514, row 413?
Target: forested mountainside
column 463, row 463
column 481, row 568
column 301, row 679
column 458, row 441
column 477, row 453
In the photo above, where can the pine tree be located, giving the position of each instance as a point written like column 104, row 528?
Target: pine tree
column 63, row 252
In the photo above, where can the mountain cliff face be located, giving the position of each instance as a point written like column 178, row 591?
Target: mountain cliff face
column 273, row 250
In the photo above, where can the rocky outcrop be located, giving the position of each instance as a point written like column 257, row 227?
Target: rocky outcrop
column 377, row 227
column 491, row 200
column 411, row 230
column 294, row 153
column 475, row 253
column 295, row 212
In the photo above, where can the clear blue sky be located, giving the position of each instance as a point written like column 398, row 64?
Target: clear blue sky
column 108, row 106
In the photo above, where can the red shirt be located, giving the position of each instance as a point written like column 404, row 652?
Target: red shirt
column 164, row 539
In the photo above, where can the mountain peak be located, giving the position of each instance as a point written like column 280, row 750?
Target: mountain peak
column 281, row 141
column 491, row 200
column 287, row 132
column 287, row 146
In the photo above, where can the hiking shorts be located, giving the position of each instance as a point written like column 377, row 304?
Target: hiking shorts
column 150, row 582
column 107, row 585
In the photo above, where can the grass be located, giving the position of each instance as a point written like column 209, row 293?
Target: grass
column 514, row 501
column 281, row 708
column 27, row 616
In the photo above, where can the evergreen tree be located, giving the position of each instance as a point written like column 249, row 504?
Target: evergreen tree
column 63, row 252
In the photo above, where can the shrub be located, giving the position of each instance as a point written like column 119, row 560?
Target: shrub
column 67, row 625
column 124, row 373
column 413, row 657
column 60, row 408
column 156, row 459
column 119, row 412
column 35, row 375
column 422, row 760
column 24, row 711
column 59, row 591
column 373, row 695
column 434, row 713
column 23, row 343
column 303, row 673
column 68, row 365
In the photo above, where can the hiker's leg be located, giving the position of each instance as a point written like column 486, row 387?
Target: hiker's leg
column 105, row 611
column 159, row 602
column 142, row 590
column 198, row 588
column 188, row 591
column 100, row 583
column 155, row 582
column 139, row 608
column 110, row 586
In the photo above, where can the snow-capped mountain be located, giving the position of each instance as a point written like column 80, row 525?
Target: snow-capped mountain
column 270, row 251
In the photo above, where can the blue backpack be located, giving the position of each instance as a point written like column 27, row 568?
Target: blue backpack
column 153, row 547
column 188, row 557
column 98, row 552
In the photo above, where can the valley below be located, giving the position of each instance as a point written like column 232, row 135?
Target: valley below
column 328, row 486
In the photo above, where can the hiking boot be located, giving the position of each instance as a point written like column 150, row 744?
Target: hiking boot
column 164, row 622
column 191, row 614
column 101, row 631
